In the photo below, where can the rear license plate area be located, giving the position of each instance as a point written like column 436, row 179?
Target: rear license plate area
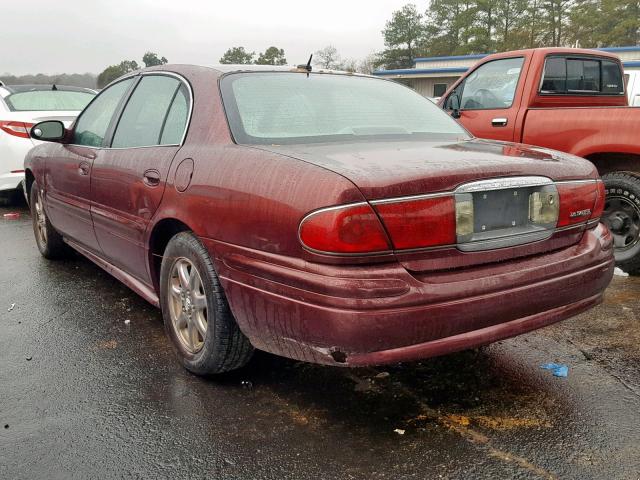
column 502, row 217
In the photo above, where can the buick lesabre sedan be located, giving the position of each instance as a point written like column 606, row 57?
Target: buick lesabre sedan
column 332, row 218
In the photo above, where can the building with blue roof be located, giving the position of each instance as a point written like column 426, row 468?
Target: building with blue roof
column 432, row 76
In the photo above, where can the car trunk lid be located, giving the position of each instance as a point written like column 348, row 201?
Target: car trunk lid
column 470, row 197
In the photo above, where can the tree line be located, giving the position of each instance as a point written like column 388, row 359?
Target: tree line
column 446, row 27
column 462, row 27
column 86, row 80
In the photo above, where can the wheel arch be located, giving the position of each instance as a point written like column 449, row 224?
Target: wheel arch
column 609, row 162
column 163, row 231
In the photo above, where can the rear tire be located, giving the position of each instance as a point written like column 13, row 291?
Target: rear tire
column 622, row 216
column 48, row 240
column 195, row 311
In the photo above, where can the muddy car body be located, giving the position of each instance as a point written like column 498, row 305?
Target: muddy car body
column 330, row 218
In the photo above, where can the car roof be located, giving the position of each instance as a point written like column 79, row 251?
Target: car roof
column 222, row 69
column 44, row 88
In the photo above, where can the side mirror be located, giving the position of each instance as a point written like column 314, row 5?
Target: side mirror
column 48, row 131
column 454, row 105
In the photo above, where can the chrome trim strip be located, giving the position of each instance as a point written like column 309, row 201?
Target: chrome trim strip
column 411, row 198
column 570, row 227
column 503, row 242
column 593, row 223
column 503, row 183
column 186, row 127
column 189, row 89
column 565, row 182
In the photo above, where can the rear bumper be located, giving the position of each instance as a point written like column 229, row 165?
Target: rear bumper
column 383, row 313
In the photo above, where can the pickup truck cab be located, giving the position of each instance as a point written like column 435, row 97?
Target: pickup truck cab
column 567, row 99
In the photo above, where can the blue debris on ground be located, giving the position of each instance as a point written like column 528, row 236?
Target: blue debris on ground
column 558, row 369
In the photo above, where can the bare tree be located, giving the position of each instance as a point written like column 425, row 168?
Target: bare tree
column 327, row 57
column 367, row 65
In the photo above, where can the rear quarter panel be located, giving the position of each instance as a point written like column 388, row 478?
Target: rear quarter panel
column 251, row 198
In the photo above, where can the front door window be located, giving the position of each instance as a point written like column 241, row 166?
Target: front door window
column 492, row 86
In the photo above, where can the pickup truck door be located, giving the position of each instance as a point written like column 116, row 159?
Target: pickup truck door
column 489, row 99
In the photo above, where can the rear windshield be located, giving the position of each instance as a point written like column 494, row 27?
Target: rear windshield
column 48, row 100
column 592, row 76
column 290, row 107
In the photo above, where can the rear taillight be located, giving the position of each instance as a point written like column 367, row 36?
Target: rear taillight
column 419, row 223
column 350, row 229
column 17, row 129
column 579, row 202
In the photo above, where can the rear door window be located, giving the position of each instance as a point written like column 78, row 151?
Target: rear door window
column 144, row 116
column 591, row 76
column 176, row 122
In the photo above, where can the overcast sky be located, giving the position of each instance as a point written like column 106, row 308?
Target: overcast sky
column 78, row 36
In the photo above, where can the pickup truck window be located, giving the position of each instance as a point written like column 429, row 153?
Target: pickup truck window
column 570, row 76
column 492, row 85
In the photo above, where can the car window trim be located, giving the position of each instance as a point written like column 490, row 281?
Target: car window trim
column 125, row 99
column 166, row 114
column 117, row 114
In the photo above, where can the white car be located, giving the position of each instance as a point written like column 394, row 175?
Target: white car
column 21, row 106
column 633, row 87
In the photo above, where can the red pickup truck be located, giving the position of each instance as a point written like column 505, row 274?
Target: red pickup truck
column 566, row 99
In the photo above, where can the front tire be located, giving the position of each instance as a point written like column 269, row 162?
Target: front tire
column 195, row 311
column 622, row 216
column 48, row 240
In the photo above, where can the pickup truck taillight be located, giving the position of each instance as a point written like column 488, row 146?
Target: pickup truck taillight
column 17, row 129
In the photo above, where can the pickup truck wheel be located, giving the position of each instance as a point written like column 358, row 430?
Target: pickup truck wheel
column 48, row 240
column 622, row 216
column 196, row 314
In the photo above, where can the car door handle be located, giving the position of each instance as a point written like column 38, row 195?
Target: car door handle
column 151, row 178
column 84, row 168
column 499, row 122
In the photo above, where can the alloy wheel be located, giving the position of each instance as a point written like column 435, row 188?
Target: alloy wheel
column 188, row 305
column 41, row 220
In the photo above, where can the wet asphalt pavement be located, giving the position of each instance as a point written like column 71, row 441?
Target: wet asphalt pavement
column 85, row 395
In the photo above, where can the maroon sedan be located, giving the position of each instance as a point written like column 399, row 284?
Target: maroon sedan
column 332, row 218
